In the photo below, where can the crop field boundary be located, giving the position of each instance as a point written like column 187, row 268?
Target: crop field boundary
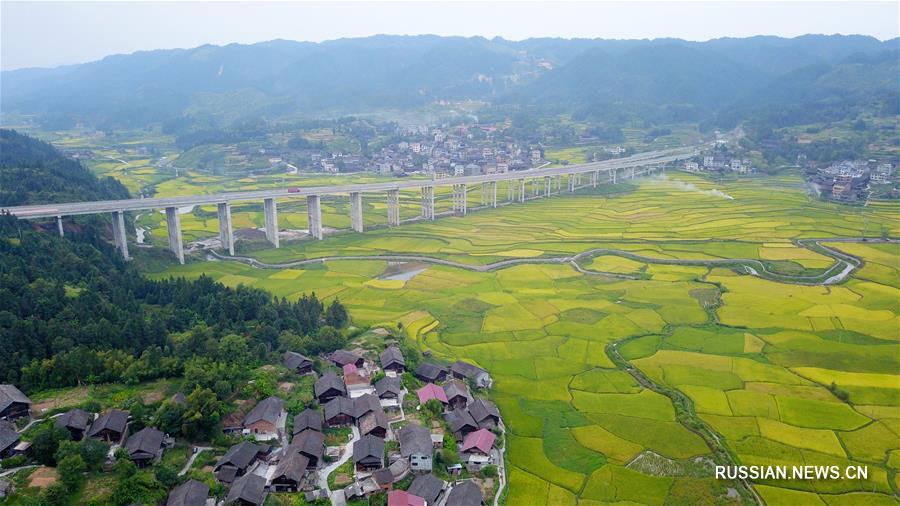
column 844, row 263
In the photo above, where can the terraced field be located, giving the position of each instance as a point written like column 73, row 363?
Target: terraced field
column 628, row 389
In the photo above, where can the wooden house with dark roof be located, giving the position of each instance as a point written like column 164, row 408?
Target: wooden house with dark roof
column 189, row 493
column 485, row 413
column 430, row 372
column 248, row 490
column 339, row 412
column 291, row 472
column 392, row 360
column 13, row 403
column 461, row 423
column 457, row 394
column 341, row 358
column 428, row 487
column 109, row 426
column 145, row 446
column 76, row 421
column 328, row 387
column 368, row 453
column 298, row 363
column 308, row 419
column 466, row 493
column 312, row 445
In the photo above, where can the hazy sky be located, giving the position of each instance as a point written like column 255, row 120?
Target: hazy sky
column 42, row 34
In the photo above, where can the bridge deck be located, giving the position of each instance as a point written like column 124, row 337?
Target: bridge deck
column 96, row 207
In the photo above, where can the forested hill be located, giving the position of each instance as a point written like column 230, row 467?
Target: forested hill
column 34, row 172
column 72, row 312
column 603, row 80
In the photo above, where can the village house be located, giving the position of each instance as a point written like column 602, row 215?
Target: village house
column 365, row 404
column 415, row 445
column 427, row 486
column 13, row 403
column 308, row 419
column 466, row 371
column 248, row 490
column 476, row 449
column 189, row 493
column 109, row 426
column 267, row 419
column 457, row 394
column 404, row 498
column 76, row 421
column 368, row 454
column 291, row 471
column 461, row 423
column 238, row 460
column 356, row 382
column 9, row 438
column 339, row 412
column 431, row 373
column 328, row 387
column 145, row 446
column 388, row 390
column 432, row 391
column 485, row 414
column 374, row 423
column 392, row 361
column 297, row 363
column 310, row 444
column 341, row 358
column 466, row 493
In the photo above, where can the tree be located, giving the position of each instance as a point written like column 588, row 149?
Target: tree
column 336, row 316
column 46, row 442
column 201, row 415
column 71, row 471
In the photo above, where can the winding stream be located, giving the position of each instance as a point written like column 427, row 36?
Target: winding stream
column 844, row 264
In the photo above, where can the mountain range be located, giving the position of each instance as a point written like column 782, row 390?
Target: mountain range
column 603, row 80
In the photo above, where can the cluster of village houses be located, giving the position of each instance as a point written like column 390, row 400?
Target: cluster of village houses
column 443, row 152
column 849, row 180
column 268, row 459
column 719, row 162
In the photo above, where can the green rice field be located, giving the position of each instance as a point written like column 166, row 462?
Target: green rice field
column 779, row 373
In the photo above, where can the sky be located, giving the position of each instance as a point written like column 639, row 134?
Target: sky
column 48, row 34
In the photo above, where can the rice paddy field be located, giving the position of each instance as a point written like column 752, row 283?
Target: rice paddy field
column 628, row 390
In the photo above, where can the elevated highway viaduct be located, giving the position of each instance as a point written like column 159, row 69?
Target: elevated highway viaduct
column 542, row 182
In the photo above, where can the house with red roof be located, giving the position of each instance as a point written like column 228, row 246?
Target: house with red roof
column 432, row 391
column 476, row 449
column 404, row 498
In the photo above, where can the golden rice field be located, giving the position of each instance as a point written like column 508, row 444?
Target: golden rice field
column 764, row 364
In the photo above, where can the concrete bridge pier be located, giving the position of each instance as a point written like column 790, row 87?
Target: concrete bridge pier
column 59, row 226
column 492, row 193
column 510, row 190
column 595, row 178
column 173, row 223
column 631, row 171
column 393, row 203
column 460, row 198
column 522, row 190
column 548, row 185
column 572, row 183
column 558, row 180
column 226, row 233
column 356, row 221
column 428, row 202
column 612, row 175
column 271, row 212
column 314, row 212
column 118, row 223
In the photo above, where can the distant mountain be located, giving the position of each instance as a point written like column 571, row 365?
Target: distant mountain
column 602, row 79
